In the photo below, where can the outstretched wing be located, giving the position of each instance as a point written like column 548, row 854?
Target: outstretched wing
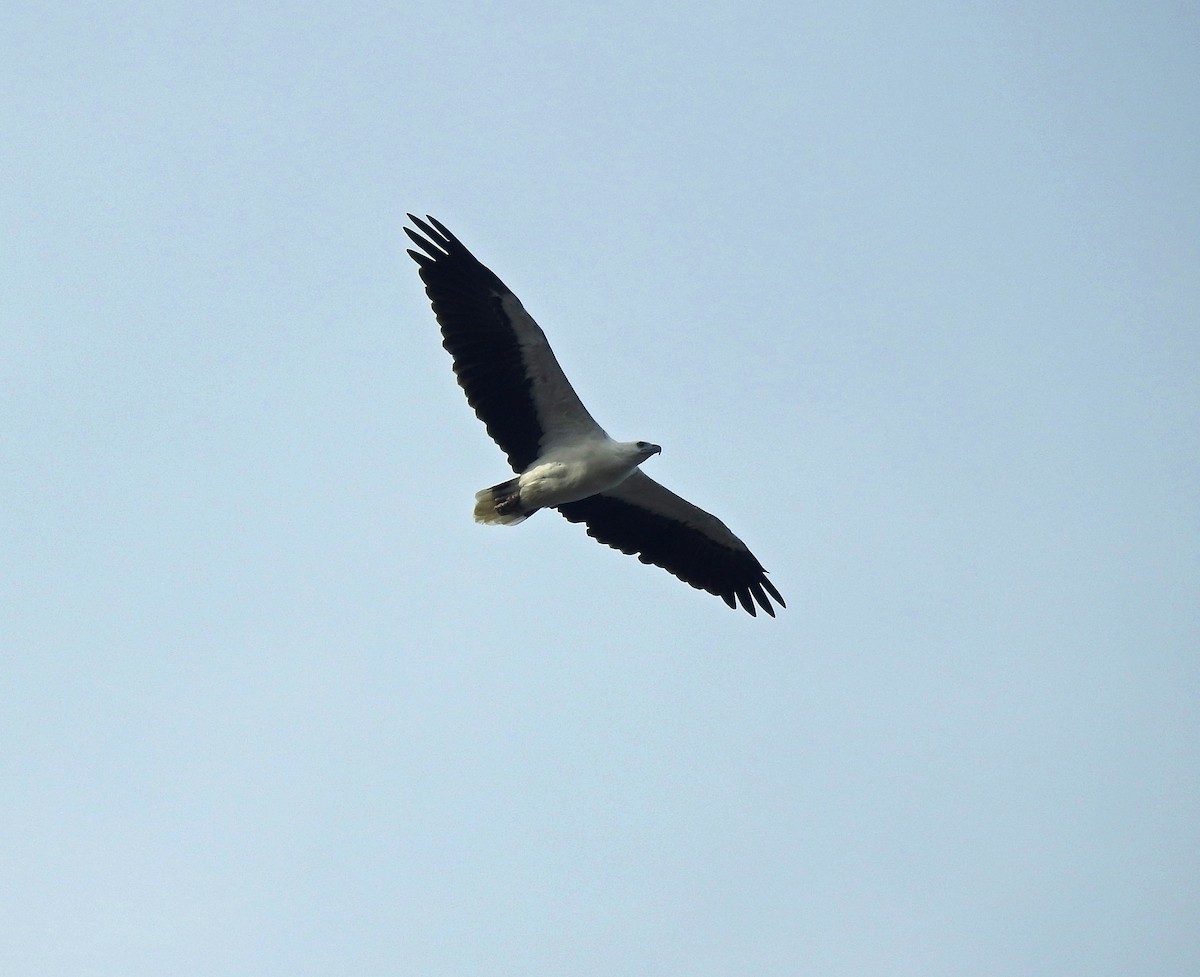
column 501, row 356
column 640, row 516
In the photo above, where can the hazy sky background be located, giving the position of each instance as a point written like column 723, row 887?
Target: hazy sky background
column 910, row 294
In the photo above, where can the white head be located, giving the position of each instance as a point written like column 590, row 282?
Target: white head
column 643, row 450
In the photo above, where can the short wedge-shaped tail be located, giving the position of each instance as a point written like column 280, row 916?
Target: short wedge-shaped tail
column 500, row 505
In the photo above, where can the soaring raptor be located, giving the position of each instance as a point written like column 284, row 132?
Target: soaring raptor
column 563, row 459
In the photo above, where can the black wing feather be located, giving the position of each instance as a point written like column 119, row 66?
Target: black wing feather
column 734, row 575
column 466, row 298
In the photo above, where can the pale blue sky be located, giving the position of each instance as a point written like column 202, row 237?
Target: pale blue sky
column 908, row 293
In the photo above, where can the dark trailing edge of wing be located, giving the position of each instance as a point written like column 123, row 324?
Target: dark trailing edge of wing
column 735, row 576
column 478, row 334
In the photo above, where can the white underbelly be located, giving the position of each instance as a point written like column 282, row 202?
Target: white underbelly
column 556, row 482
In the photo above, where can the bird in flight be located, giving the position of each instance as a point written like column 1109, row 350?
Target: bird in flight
column 562, row 458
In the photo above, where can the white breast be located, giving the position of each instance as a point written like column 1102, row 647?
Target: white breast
column 575, row 472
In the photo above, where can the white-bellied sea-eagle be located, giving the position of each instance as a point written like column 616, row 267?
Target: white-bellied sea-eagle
column 563, row 459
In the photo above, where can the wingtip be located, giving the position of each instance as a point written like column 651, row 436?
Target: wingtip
column 760, row 592
column 770, row 588
column 435, row 231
